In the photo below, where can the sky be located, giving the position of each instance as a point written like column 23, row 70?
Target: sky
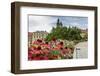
column 45, row 23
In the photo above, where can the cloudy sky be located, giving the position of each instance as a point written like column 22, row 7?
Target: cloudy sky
column 45, row 23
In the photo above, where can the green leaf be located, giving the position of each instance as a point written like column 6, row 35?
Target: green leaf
column 55, row 52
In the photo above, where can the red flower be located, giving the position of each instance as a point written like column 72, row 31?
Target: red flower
column 44, row 58
column 36, row 58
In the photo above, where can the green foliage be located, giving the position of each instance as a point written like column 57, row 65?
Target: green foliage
column 55, row 52
column 64, row 33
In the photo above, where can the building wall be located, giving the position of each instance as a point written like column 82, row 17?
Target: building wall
column 39, row 35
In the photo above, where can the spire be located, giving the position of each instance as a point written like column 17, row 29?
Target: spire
column 59, row 24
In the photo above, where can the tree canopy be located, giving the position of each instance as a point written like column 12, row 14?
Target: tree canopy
column 64, row 33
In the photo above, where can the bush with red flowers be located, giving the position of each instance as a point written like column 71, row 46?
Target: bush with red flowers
column 42, row 50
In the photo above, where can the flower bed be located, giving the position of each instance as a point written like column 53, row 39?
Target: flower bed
column 53, row 50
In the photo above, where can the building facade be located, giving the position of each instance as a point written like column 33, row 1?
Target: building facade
column 39, row 35
column 32, row 36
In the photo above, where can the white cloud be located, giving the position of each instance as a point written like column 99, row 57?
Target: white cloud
column 45, row 23
column 41, row 23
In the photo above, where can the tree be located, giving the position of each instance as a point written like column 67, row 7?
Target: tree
column 64, row 33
